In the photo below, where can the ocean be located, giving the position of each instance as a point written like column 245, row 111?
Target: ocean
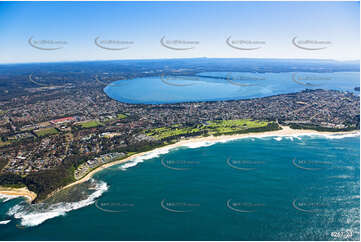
column 217, row 86
column 267, row 188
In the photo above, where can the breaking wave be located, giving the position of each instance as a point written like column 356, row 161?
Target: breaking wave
column 5, row 222
column 318, row 135
column 198, row 144
column 5, row 198
column 35, row 214
column 161, row 151
column 341, row 136
column 147, row 156
column 195, row 145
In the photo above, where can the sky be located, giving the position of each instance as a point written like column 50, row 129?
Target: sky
column 320, row 30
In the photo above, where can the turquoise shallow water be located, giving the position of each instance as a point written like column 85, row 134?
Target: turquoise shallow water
column 214, row 86
column 272, row 188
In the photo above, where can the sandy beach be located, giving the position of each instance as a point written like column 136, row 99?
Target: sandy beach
column 285, row 131
column 24, row 192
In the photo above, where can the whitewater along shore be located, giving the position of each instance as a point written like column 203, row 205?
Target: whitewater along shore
column 23, row 192
column 285, row 131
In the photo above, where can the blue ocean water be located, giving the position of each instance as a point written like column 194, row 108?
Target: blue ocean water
column 215, row 86
column 270, row 188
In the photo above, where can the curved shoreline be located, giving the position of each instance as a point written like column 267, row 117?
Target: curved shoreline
column 285, row 131
column 23, row 192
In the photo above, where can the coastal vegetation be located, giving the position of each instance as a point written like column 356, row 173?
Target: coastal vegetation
column 319, row 128
column 44, row 183
column 215, row 128
column 43, row 155
column 98, row 126
column 10, row 179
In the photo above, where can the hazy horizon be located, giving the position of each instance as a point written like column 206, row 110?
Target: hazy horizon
column 191, row 58
column 100, row 31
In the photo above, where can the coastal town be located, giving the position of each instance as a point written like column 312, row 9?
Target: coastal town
column 106, row 125
column 180, row 120
column 84, row 168
column 58, row 134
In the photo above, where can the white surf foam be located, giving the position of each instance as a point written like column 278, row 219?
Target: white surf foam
column 35, row 215
column 290, row 138
column 5, row 222
column 161, row 151
column 314, row 135
column 342, row 136
column 199, row 144
column 5, row 198
column 194, row 145
column 149, row 155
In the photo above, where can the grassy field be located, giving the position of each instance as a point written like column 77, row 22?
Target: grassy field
column 45, row 132
column 228, row 126
column 165, row 132
column 90, row 124
column 209, row 128
column 121, row 116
